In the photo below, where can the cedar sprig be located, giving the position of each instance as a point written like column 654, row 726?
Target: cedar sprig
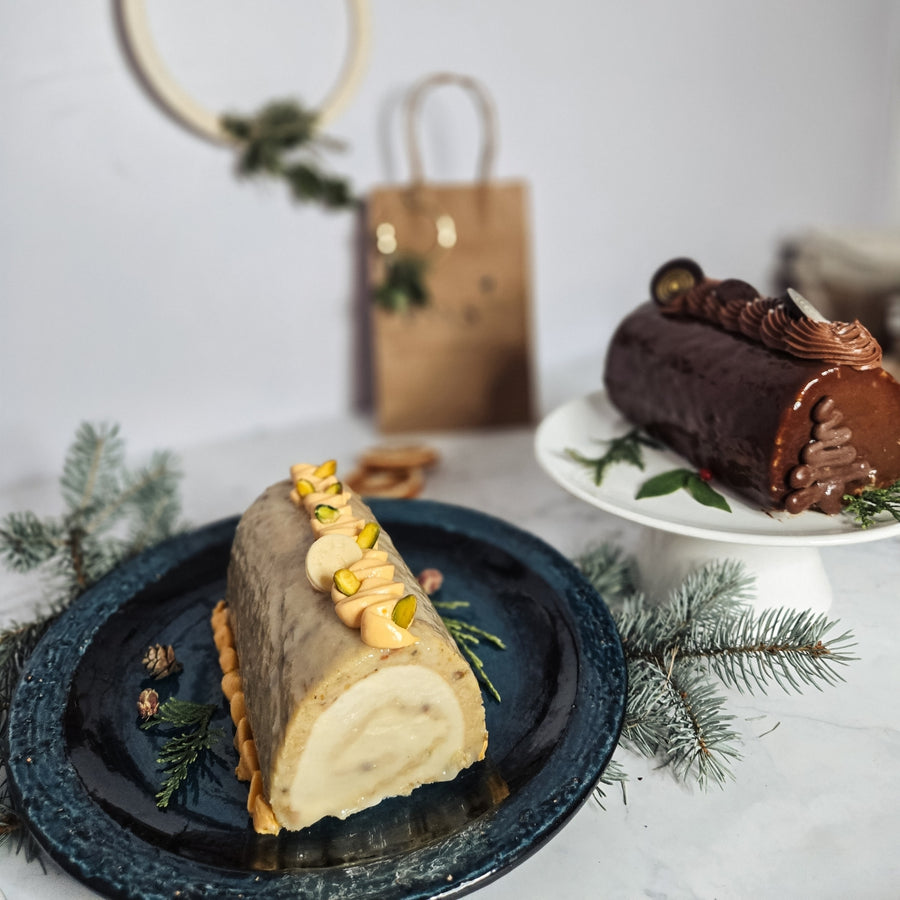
column 873, row 502
column 627, row 448
column 281, row 141
column 678, row 653
column 183, row 749
column 467, row 637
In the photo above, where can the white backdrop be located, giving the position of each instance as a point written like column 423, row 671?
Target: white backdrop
column 141, row 283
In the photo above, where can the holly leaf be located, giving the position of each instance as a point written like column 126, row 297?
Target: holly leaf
column 683, row 479
column 666, row 483
column 701, row 491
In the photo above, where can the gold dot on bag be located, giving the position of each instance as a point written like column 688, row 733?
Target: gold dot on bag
column 446, row 231
column 386, row 238
column 445, row 235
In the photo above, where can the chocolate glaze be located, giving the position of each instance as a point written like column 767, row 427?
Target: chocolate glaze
column 743, row 410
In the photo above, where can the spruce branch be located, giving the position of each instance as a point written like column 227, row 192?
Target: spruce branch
column 27, row 542
column 103, row 499
column 110, row 514
column 610, row 571
column 702, row 636
column 790, row 648
column 613, row 774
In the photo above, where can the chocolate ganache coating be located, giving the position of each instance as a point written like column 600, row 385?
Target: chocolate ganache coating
column 710, row 373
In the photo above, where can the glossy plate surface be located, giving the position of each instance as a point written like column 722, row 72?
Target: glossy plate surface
column 584, row 423
column 87, row 774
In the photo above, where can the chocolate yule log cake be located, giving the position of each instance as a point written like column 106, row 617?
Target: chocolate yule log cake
column 344, row 684
column 789, row 410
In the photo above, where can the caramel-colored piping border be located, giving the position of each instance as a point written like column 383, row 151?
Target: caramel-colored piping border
column 264, row 821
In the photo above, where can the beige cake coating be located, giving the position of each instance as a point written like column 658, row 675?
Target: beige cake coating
column 335, row 725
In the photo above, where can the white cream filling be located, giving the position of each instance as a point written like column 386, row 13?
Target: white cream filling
column 380, row 738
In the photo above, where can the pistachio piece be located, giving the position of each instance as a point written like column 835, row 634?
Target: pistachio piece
column 405, row 610
column 335, row 488
column 304, row 486
column 325, row 513
column 368, row 535
column 346, row 582
column 327, row 468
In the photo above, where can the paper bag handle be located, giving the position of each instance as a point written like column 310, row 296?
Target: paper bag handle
column 485, row 108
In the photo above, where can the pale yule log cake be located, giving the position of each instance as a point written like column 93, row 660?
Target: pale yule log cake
column 327, row 724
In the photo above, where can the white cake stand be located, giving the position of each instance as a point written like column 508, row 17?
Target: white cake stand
column 781, row 551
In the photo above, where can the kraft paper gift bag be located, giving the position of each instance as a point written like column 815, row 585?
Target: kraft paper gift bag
column 449, row 274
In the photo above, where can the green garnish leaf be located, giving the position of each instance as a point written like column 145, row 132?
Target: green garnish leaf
column 624, row 449
column 468, row 636
column 701, row 491
column 683, row 479
column 666, row 483
column 183, row 749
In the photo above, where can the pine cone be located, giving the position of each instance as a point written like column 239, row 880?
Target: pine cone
column 148, row 703
column 160, row 661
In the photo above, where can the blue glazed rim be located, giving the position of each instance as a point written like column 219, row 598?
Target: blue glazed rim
column 97, row 850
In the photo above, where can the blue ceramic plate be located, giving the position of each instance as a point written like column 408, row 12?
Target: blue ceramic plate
column 86, row 774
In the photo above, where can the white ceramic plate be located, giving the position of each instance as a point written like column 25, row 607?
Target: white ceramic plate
column 583, row 424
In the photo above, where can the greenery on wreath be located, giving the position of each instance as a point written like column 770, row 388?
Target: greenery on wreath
column 280, row 141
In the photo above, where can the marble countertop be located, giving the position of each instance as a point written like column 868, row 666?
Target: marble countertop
column 814, row 809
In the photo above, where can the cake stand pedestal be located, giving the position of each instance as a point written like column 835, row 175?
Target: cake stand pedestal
column 792, row 577
column 782, row 552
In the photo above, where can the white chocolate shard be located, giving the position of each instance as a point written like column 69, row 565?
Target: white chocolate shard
column 328, row 554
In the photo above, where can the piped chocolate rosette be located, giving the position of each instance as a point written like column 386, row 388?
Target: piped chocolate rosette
column 783, row 324
column 790, row 410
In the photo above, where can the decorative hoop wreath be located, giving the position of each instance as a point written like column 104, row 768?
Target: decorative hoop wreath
column 136, row 34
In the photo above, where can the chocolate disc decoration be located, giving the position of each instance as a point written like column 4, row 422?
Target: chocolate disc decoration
column 733, row 289
column 673, row 279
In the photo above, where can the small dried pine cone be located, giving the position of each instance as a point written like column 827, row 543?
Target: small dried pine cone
column 160, row 661
column 148, row 703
